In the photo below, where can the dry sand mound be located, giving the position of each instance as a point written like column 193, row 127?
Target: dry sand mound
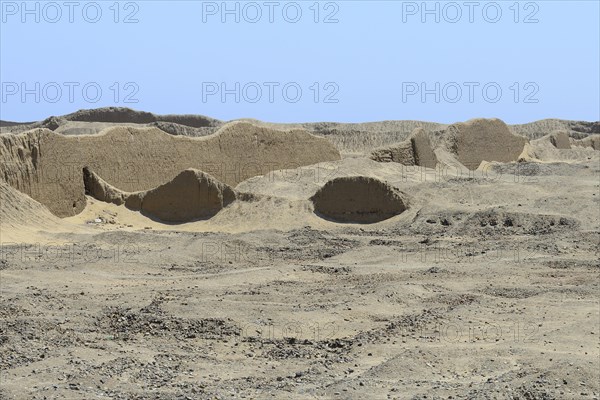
column 592, row 141
column 557, row 147
column 22, row 218
column 191, row 195
column 89, row 121
column 48, row 166
column 17, row 208
column 127, row 115
column 482, row 139
column 358, row 199
column 416, row 150
column 537, row 129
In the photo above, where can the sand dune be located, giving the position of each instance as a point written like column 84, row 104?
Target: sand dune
column 24, row 220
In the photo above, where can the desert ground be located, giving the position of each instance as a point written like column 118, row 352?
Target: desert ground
column 182, row 257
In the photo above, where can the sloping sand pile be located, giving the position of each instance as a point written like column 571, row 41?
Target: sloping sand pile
column 48, row 166
column 17, row 208
column 592, row 141
column 22, row 218
column 538, row 129
column 191, row 195
column 358, row 199
column 480, row 140
column 557, row 147
column 416, row 150
column 127, row 115
column 91, row 121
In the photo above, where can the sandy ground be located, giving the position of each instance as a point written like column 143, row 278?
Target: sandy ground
column 485, row 288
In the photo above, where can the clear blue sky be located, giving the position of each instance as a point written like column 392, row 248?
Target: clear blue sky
column 372, row 64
